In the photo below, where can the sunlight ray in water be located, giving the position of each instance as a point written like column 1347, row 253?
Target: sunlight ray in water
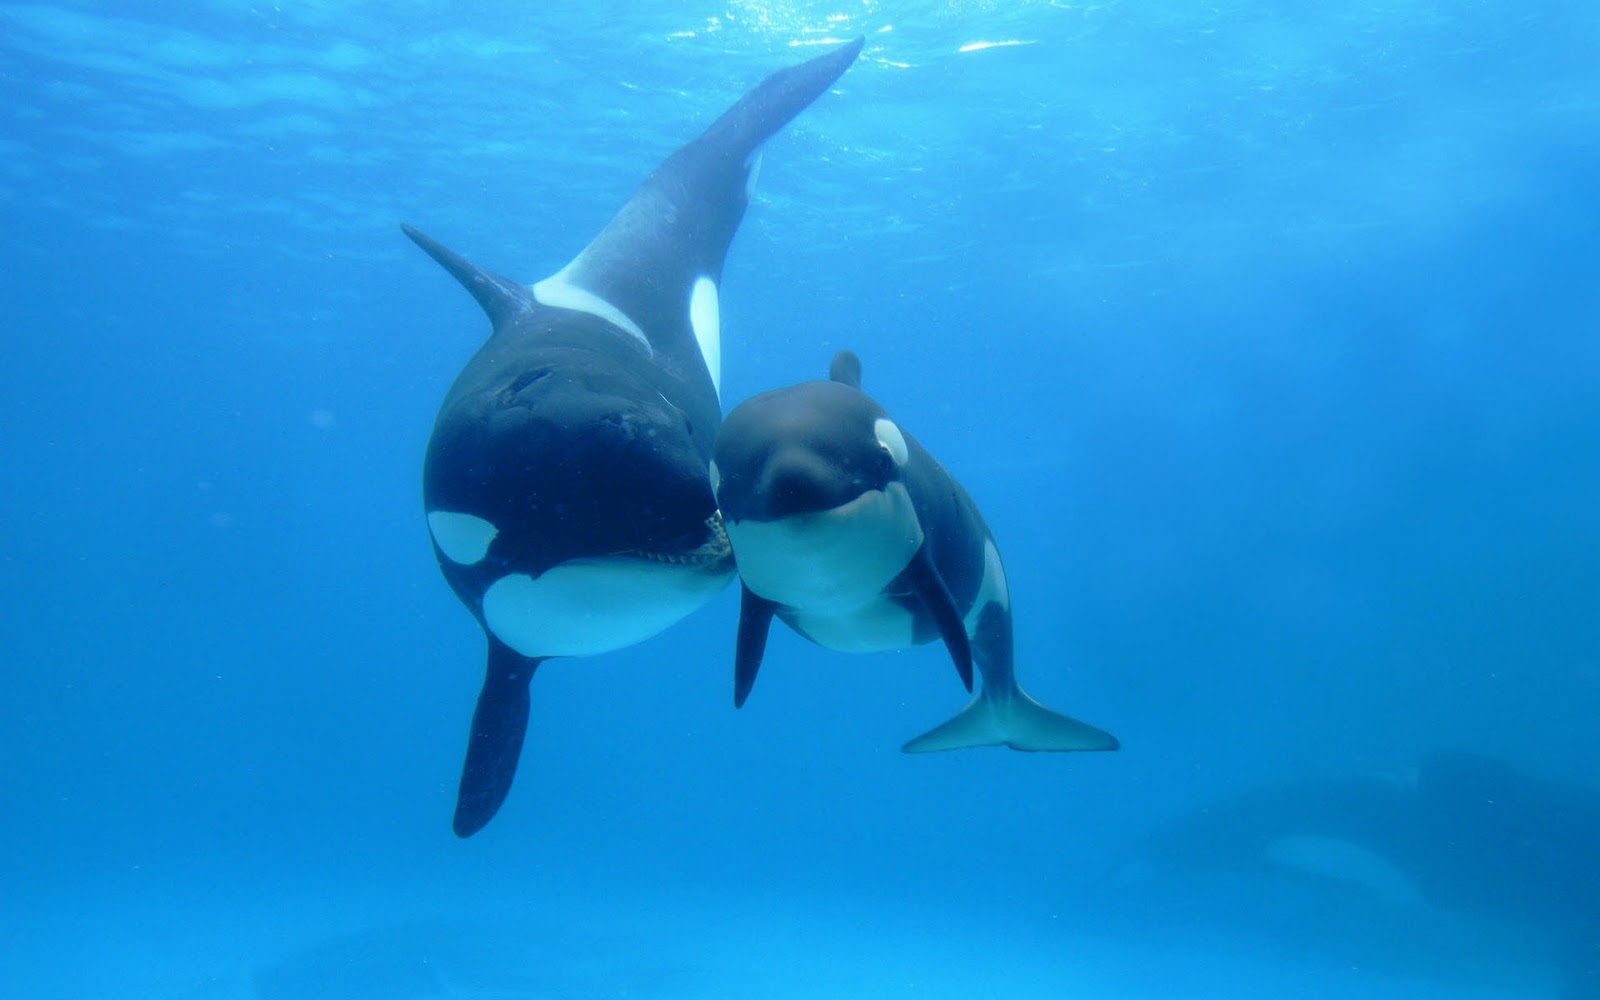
column 980, row 46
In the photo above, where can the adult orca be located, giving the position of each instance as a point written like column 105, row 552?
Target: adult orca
column 565, row 481
column 845, row 528
column 1461, row 833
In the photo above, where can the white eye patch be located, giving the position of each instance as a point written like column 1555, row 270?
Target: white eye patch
column 892, row 440
column 716, row 480
column 463, row 538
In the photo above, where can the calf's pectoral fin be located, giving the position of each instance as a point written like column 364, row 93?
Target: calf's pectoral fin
column 922, row 576
column 755, row 619
column 499, row 724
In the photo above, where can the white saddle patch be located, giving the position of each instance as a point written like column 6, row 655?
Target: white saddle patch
column 833, row 562
column 559, row 293
column 463, row 538
column 589, row 606
column 705, row 319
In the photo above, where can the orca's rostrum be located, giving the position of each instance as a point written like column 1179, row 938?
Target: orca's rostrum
column 565, row 483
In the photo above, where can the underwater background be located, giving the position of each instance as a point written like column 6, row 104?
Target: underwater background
column 1266, row 335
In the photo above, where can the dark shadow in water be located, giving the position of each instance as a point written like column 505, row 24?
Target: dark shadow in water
column 1467, row 870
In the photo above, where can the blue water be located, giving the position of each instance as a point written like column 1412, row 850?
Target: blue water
column 1265, row 336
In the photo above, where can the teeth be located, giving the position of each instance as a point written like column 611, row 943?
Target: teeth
column 715, row 550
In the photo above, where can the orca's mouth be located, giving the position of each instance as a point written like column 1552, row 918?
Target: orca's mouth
column 713, row 552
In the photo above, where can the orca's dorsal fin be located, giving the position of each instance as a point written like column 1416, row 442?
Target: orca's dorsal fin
column 846, row 369
column 500, row 297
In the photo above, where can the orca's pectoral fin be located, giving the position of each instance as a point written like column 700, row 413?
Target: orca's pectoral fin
column 755, row 619
column 924, row 579
column 499, row 724
column 501, row 298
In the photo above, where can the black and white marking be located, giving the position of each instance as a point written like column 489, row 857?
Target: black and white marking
column 565, row 483
column 849, row 531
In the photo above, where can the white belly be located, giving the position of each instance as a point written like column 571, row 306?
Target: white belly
column 873, row 627
column 590, row 606
column 834, row 562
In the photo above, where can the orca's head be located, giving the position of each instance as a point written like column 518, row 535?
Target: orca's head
column 805, row 449
column 810, row 483
column 560, row 461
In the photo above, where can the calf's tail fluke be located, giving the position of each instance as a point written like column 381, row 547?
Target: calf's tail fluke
column 1011, row 718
